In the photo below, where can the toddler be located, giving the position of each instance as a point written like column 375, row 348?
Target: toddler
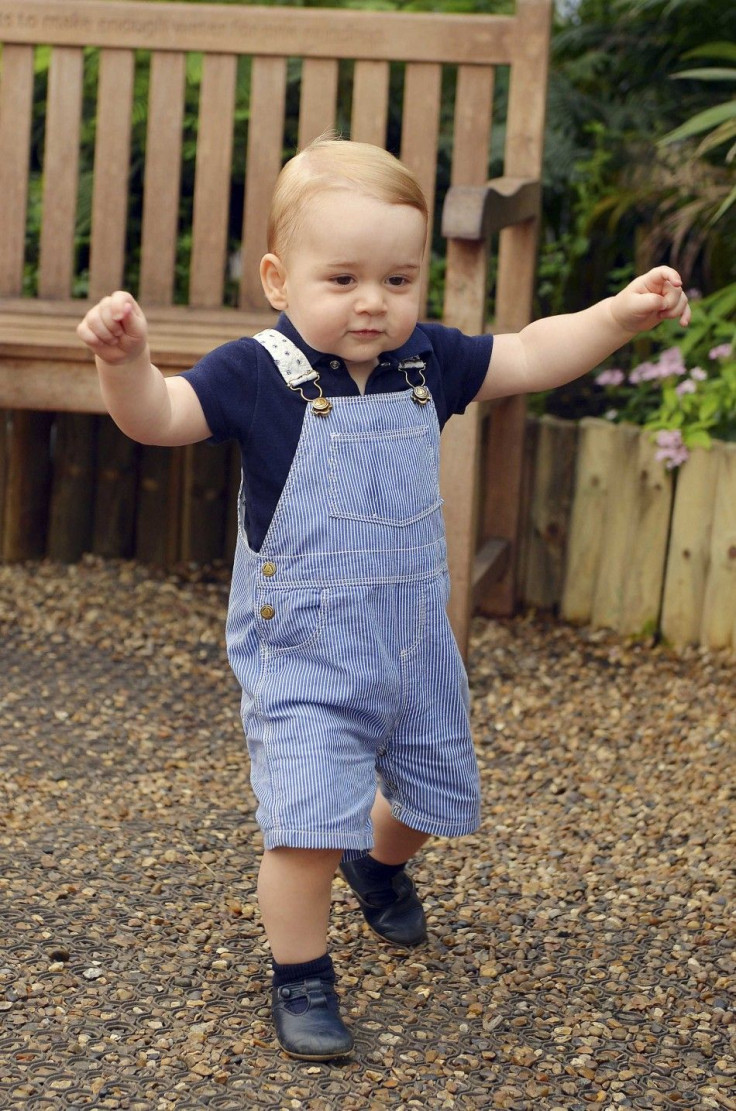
column 354, row 695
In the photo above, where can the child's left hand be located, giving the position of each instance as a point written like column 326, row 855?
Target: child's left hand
column 655, row 296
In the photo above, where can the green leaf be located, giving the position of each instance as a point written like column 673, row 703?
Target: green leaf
column 713, row 73
column 697, row 438
column 719, row 135
column 723, row 208
column 725, row 50
column 703, row 121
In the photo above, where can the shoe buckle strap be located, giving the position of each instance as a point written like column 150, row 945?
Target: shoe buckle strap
column 314, row 990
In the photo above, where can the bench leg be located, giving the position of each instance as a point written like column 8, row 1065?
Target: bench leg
column 460, row 457
column 501, row 484
column 27, row 485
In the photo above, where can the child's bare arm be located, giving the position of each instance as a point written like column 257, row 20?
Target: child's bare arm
column 146, row 406
column 548, row 353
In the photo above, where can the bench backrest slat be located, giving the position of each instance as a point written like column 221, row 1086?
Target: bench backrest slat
column 473, row 115
column 212, row 180
column 162, row 180
column 265, row 150
column 61, row 166
column 370, row 102
column 318, row 104
column 16, row 110
column 420, row 125
column 111, row 171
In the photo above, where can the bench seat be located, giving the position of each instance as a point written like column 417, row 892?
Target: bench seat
column 43, row 365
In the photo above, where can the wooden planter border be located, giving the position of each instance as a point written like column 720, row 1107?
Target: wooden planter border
column 614, row 540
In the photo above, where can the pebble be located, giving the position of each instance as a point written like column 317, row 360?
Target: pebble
column 581, row 942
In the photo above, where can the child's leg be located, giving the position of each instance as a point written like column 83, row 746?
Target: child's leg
column 393, row 842
column 386, row 894
column 294, row 891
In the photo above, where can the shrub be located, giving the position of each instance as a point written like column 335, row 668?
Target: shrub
column 685, row 390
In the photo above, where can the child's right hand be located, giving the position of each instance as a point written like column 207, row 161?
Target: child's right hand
column 115, row 329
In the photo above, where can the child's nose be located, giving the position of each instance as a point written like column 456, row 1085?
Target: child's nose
column 370, row 298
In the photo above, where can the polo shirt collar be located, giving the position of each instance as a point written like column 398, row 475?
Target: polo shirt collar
column 416, row 346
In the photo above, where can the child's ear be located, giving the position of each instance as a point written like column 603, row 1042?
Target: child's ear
column 273, row 280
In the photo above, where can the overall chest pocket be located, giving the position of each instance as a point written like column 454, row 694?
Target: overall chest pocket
column 389, row 477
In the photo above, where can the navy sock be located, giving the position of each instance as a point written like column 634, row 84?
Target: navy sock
column 295, row 973
column 369, row 866
column 372, row 880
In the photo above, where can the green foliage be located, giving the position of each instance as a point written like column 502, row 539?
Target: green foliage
column 612, row 64
column 703, row 405
column 719, row 121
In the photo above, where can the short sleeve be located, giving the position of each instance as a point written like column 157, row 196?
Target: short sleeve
column 463, row 364
column 226, row 384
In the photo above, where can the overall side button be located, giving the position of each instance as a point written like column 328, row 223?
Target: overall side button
column 267, row 612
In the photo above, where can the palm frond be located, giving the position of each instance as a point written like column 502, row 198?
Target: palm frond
column 707, row 73
column 700, row 122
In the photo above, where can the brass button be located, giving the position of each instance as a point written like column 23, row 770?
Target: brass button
column 267, row 612
column 269, row 569
column 321, row 407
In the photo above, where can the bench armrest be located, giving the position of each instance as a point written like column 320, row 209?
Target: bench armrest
column 476, row 211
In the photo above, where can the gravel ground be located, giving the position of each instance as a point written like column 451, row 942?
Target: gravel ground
column 582, row 943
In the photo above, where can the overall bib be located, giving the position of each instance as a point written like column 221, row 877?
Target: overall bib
column 338, row 635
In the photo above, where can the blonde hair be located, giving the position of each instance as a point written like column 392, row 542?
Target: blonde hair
column 332, row 163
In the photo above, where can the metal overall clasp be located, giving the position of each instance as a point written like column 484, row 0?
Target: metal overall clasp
column 419, row 390
column 321, row 406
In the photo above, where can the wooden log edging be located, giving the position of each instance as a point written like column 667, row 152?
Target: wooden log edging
column 632, row 547
column 718, row 619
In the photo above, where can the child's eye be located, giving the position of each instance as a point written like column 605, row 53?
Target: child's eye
column 398, row 280
column 342, row 279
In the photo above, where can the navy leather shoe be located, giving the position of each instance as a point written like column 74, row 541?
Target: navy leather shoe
column 392, row 909
column 307, row 1021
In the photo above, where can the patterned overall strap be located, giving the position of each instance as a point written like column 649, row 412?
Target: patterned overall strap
column 293, row 365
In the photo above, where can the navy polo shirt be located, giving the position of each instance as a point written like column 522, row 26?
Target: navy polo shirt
column 244, row 398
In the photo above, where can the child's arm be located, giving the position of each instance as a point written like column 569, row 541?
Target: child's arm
column 144, row 405
column 548, row 353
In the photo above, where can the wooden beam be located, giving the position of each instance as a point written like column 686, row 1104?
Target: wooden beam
column 253, row 29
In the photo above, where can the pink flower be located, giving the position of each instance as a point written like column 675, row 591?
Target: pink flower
column 610, row 378
column 672, row 452
column 671, row 362
column 642, row 373
column 722, row 351
column 687, row 386
column 698, row 374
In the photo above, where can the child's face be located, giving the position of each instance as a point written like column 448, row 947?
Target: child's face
column 351, row 275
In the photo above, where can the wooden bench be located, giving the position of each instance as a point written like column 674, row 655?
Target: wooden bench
column 247, row 84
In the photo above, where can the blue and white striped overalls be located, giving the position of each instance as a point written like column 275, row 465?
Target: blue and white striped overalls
column 338, row 635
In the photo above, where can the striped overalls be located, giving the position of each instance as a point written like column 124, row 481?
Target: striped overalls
column 338, row 635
